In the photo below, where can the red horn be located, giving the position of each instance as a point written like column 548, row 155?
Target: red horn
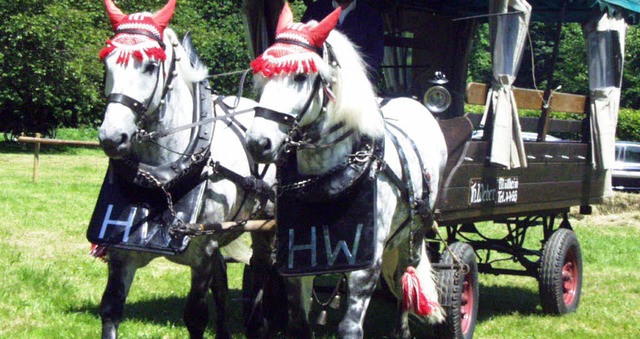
column 115, row 14
column 286, row 17
column 163, row 16
column 319, row 33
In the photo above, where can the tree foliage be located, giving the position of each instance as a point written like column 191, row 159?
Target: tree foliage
column 50, row 74
column 46, row 77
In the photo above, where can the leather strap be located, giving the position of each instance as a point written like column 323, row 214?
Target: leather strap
column 281, row 118
column 127, row 101
column 299, row 43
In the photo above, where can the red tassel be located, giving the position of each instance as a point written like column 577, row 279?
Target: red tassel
column 414, row 298
column 99, row 252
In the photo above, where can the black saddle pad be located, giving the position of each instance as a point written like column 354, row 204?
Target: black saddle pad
column 326, row 237
column 132, row 217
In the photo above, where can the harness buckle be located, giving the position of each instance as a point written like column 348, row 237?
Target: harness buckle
column 291, row 145
column 361, row 157
column 143, row 136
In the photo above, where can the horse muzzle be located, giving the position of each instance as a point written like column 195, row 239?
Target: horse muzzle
column 261, row 149
column 114, row 145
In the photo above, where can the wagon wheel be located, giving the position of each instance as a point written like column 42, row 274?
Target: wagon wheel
column 459, row 293
column 560, row 279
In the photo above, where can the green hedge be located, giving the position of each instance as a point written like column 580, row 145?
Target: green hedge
column 628, row 125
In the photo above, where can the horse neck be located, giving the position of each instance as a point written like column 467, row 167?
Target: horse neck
column 177, row 111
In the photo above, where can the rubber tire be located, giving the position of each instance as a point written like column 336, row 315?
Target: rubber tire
column 560, row 273
column 461, row 315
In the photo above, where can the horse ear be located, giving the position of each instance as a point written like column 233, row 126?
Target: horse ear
column 286, row 17
column 319, row 33
column 115, row 13
column 163, row 16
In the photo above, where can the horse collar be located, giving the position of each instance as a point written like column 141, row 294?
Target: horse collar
column 337, row 181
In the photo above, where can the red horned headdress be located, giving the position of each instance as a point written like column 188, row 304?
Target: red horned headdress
column 296, row 45
column 137, row 33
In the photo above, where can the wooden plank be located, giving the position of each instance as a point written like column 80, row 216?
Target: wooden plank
column 530, row 99
column 477, row 93
column 44, row 141
column 455, row 208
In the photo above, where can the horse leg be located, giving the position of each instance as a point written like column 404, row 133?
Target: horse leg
column 360, row 287
column 402, row 329
column 196, row 311
column 220, row 291
column 122, row 269
column 392, row 270
column 263, row 290
column 299, row 300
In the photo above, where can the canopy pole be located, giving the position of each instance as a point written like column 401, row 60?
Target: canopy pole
column 543, row 123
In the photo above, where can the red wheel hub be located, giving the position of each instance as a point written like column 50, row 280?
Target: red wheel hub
column 570, row 276
column 466, row 303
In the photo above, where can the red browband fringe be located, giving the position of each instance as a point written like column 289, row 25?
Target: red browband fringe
column 270, row 68
column 124, row 56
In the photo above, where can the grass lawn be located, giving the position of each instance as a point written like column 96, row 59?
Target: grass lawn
column 51, row 288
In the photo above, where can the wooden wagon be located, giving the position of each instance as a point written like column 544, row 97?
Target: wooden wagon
column 493, row 173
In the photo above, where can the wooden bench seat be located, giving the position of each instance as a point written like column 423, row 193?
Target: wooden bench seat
column 476, row 94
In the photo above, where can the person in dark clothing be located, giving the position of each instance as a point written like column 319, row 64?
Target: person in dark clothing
column 361, row 23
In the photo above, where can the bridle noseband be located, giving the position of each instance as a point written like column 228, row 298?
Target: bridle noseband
column 287, row 119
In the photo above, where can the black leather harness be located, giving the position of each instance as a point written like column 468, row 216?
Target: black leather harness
column 188, row 169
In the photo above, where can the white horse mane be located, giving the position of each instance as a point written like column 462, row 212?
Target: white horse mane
column 189, row 73
column 355, row 101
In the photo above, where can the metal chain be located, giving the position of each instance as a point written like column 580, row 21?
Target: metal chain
column 458, row 265
column 336, row 291
column 156, row 183
column 358, row 157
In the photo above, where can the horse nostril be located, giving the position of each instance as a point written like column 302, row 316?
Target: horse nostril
column 259, row 146
column 266, row 144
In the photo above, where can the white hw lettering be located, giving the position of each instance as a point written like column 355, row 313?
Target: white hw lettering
column 127, row 224
column 331, row 253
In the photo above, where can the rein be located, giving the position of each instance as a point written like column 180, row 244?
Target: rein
column 148, row 136
column 143, row 136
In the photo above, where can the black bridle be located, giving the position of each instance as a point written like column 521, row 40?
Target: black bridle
column 141, row 108
column 288, row 119
column 300, row 136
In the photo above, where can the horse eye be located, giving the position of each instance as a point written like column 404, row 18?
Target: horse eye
column 300, row 77
column 150, row 67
